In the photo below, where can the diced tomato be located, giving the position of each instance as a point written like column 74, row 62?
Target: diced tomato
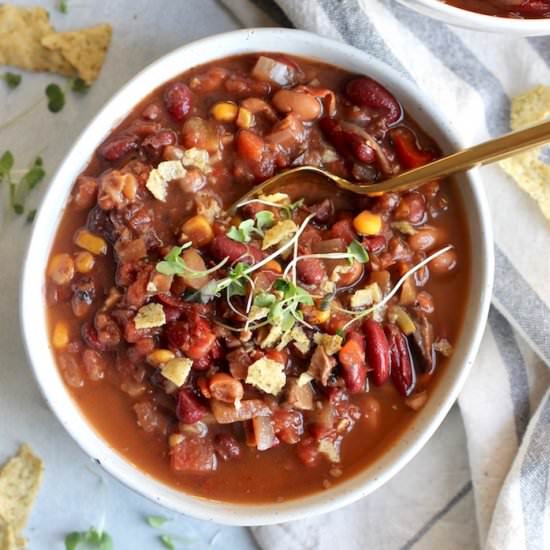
column 194, row 455
column 408, row 152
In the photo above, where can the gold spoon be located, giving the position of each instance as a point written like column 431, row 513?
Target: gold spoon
column 478, row 155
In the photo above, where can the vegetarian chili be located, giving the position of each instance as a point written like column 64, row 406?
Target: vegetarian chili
column 522, row 9
column 275, row 350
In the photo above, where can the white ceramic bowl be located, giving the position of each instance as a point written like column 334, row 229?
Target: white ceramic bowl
column 477, row 21
column 33, row 301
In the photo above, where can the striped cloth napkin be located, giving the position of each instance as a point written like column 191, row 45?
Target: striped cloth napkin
column 505, row 404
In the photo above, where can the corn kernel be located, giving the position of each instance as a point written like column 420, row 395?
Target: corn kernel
column 160, row 357
column 175, row 439
column 367, row 223
column 60, row 338
column 61, row 269
column 225, row 111
column 244, row 118
column 90, row 242
column 84, row 262
column 318, row 316
column 198, row 230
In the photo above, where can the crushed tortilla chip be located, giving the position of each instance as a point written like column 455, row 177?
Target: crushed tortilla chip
column 21, row 33
column 20, row 480
column 332, row 343
column 528, row 169
column 150, row 316
column 177, row 370
column 281, row 231
column 7, row 536
column 84, row 49
column 199, row 158
column 267, row 375
column 28, row 41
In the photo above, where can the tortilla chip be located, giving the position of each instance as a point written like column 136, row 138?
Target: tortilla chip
column 20, row 480
column 21, row 32
column 7, row 536
column 85, row 49
column 528, row 169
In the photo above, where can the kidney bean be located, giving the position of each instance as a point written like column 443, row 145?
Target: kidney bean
column 378, row 351
column 352, row 362
column 118, row 147
column 444, row 264
column 178, row 100
column 366, row 92
column 159, row 140
column 344, row 230
column 311, row 271
column 402, row 369
column 108, row 333
column 189, row 409
column 226, row 447
column 374, row 244
column 224, row 387
column 411, row 207
column 224, row 247
column 346, row 142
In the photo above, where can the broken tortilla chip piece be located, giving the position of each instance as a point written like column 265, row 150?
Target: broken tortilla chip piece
column 84, row 49
column 531, row 173
column 7, row 536
column 20, row 480
column 21, row 32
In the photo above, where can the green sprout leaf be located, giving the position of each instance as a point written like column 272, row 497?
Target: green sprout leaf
column 79, row 86
column 31, row 215
column 264, row 299
column 92, row 538
column 11, row 79
column 167, row 541
column 357, row 252
column 63, row 6
column 56, row 98
column 242, row 233
column 34, row 175
column 6, row 164
column 156, row 521
column 264, row 220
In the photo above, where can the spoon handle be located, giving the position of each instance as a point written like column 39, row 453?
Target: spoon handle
column 478, row 155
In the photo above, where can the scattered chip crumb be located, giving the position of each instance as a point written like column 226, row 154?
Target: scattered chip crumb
column 267, row 375
column 281, row 231
column 529, row 171
column 199, row 158
column 150, row 316
column 177, row 370
column 330, row 450
column 332, row 343
column 157, row 185
column 207, row 206
column 272, row 337
column 366, row 296
column 20, row 480
column 171, row 170
column 276, row 198
column 304, row 378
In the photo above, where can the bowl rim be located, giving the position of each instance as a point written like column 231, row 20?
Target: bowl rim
column 34, row 327
column 461, row 17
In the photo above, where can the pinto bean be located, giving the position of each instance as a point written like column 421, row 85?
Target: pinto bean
column 411, row 207
column 424, row 239
column 311, row 271
column 445, row 263
column 303, row 104
column 224, row 387
column 116, row 148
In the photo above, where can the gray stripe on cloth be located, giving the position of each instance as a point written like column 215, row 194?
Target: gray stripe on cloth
column 521, row 305
column 515, row 367
column 436, row 517
column 534, row 479
column 273, row 10
column 355, row 27
column 541, row 44
column 457, row 57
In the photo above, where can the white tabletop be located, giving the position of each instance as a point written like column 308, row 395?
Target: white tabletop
column 76, row 494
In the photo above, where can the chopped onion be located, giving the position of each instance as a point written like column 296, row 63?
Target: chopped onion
column 263, row 432
column 269, row 70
